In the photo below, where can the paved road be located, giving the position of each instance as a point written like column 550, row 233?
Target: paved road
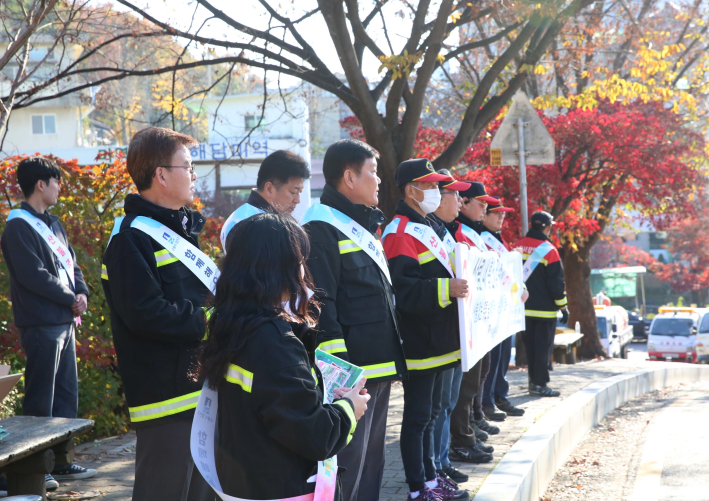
column 637, row 351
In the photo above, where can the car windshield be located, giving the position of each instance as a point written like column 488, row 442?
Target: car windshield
column 602, row 327
column 672, row 327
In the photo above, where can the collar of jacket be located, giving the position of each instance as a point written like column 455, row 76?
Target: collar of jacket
column 403, row 209
column 260, row 203
column 365, row 216
column 477, row 226
column 49, row 219
column 496, row 234
column 135, row 204
column 538, row 235
column 452, row 227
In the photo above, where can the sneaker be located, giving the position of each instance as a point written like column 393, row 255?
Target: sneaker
column 479, row 434
column 442, row 477
column 455, row 474
column 483, row 448
column 470, row 455
column 445, row 491
column 493, row 413
column 506, row 406
column 487, row 427
column 425, row 494
column 72, row 472
column 50, row 483
column 543, row 391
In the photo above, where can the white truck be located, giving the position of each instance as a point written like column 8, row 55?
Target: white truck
column 614, row 329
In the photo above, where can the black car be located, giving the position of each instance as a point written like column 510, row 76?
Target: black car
column 640, row 325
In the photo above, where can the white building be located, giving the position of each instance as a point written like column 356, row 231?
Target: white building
column 55, row 125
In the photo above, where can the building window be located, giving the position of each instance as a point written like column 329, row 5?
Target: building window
column 44, row 124
column 658, row 240
column 251, row 122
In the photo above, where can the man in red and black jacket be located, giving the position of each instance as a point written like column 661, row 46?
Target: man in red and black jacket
column 425, row 291
column 547, row 295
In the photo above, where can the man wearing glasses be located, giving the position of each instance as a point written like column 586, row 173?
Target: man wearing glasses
column 157, row 316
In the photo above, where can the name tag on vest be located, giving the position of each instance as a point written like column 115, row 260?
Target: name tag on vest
column 535, row 258
column 473, row 236
column 353, row 230
column 60, row 251
column 428, row 237
column 246, row 210
column 493, row 243
column 196, row 261
column 202, row 439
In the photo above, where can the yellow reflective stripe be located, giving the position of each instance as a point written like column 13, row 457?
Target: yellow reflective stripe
column 315, row 376
column 540, row 314
column 561, row 302
column 165, row 408
column 430, row 363
column 543, row 261
column 379, row 370
column 239, row 375
column 347, row 246
column 443, row 292
column 426, row 257
column 104, row 272
column 164, row 257
column 333, row 346
column 207, row 315
column 345, row 405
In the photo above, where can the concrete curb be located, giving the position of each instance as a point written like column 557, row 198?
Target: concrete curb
column 526, row 470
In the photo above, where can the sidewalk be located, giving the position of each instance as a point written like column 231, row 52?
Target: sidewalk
column 114, row 457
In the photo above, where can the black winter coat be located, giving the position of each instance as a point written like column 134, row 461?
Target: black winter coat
column 38, row 295
column 358, row 317
column 157, row 316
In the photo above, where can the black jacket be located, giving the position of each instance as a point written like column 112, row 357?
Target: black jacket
column 272, row 424
column 358, row 317
column 428, row 315
column 38, row 295
column 477, row 226
column 546, row 286
column 157, row 318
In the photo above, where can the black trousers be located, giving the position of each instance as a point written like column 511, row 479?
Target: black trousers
column 164, row 468
column 422, row 404
column 462, row 434
column 364, row 456
column 478, row 400
column 537, row 338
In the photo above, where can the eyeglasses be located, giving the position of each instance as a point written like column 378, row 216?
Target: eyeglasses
column 190, row 168
column 484, row 204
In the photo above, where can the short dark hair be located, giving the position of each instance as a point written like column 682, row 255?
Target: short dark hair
column 152, row 148
column 33, row 169
column 343, row 155
column 279, row 167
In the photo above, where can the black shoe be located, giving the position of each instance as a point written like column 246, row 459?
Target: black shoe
column 49, row 483
column 483, row 448
column 507, row 407
column 470, row 455
column 72, row 472
column 448, row 490
column 493, row 413
column 487, row 427
column 479, row 434
column 543, row 391
column 455, row 474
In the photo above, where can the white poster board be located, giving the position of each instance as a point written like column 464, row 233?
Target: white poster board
column 493, row 310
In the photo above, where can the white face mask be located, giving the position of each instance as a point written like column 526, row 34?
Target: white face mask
column 431, row 200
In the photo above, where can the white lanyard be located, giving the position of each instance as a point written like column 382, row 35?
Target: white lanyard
column 202, row 448
column 473, row 236
column 353, row 230
column 428, row 237
column 246, row 210
column 196, row 261
column 493, row 243
column 535, row 258
column 62, row 253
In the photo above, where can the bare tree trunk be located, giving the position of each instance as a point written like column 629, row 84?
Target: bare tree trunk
column 577, row 274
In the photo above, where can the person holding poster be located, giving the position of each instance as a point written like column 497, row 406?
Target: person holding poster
column 422, row 276
column 357, row 320
column 445, row 215
column 279, row 183
column 156, row 295
column 544, row 277
column 273, row 429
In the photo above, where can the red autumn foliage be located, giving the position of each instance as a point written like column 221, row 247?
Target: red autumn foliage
column 688, row 242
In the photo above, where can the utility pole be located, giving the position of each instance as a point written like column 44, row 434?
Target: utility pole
column 522, row 177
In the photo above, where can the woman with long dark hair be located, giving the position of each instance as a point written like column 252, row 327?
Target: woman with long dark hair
column 272, row 425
